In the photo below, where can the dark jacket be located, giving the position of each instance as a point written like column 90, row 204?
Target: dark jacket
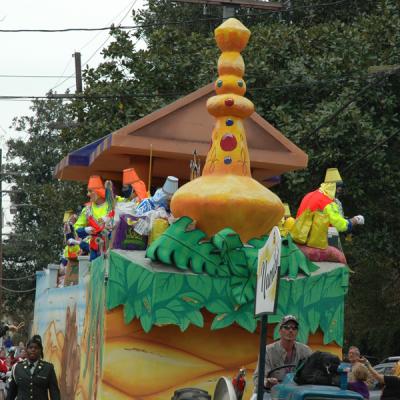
column 3, row 330
column 36, row 386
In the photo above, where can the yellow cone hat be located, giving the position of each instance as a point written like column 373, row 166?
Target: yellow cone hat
column 332, row 176
column 287, row 210
column 67, row 215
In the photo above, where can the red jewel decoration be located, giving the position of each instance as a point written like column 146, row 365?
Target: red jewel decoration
column 229, row 102
column 228, row 142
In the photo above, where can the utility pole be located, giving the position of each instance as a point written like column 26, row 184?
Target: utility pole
column 1, row 229
column 78, row 81
column 78, row 72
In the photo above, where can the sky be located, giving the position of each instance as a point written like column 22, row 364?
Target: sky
column 49, row 54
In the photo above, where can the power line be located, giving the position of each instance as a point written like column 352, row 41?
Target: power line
column 109, row 36
column 129, row 27
column 18, row 279
column 32, row 76
column 371, row 151
column 342, row 78
column 110, row 22
column 17, row 291
column 58, row 84
column 351, row 101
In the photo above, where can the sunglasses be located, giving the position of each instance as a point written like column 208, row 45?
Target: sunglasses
column 290, row 327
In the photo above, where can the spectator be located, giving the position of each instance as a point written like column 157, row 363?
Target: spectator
column 33, row 378
column 22, row 355
column 8, row 343
column 285, row 351
column 3, row 362
column 354, row 358
column 12, row 357
column 360, row 374
column 391, row 389
column 4, row 328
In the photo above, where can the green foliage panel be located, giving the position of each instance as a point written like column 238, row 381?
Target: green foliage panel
column 223, row 255
column 160, row 298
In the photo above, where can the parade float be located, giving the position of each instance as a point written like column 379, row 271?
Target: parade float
column 140, row 324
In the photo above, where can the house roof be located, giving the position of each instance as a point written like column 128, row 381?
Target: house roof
column 171, row 134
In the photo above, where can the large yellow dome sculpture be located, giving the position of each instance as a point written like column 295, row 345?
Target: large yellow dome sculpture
column 226, row 196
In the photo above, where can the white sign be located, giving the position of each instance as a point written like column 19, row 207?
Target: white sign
column 269, row 261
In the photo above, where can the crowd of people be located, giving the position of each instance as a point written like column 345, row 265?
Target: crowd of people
column 9, row 356
column 287, row 351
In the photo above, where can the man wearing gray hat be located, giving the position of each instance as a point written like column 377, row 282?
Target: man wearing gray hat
column 282, row 352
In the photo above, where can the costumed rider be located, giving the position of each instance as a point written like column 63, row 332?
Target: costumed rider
column 71, row 249
column 95, row 220
column 161, row 198
column 324, row 199
column 133, row 192
column 133, row 188
column 154, row 213
column 287, row 221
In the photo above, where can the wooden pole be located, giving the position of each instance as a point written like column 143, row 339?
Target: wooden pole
column 261, row 360
column 1, row 230
column 150, row 170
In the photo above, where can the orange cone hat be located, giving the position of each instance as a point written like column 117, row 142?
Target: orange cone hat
column 96, row 184
column 130, row 177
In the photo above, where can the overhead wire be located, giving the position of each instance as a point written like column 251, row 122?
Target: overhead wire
column 109, row 36
column 17, row 291
column 347, row 104
column 371, row 151
column 110, row 21
column 18, row 279
column 68, row 96
column 129, row 27
column 31, row 76
column 97, row 49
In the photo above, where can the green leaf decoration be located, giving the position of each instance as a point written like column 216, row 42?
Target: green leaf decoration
column 258, row 242
column 192, row 299
column 219, row 306
column 200, row 283
column 184, row 324
column 158, row 297
column 293, row 260
column 146, row 321
column 165, row 316
column 219, row 285
column 168, row 285
column 243, row 290
column 138, row 306
column 222, row 321
column 179, row 247
column 145, row 281
column 176, row 305
column 129, row 312
column 226, row 239
column 196, row 318
column 245, row 317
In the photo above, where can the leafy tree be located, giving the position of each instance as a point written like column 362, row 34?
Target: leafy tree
column 40, row 201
